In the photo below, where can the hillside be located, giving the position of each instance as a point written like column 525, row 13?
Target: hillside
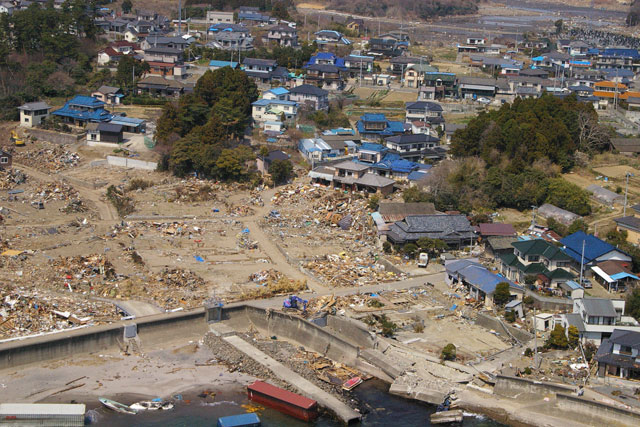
column 405, row 8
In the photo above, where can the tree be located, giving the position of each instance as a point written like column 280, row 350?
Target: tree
column 578, row 225
column 431, row 246
column 127, row 6
column 410, row 249
column 281, row 171
column 557, row 339
column 559, row 24
column 592, row 136
column 502, row 294
column 557, row 227
column 569, row 196
column 530, row 279
column 632, row 306
column 448, row 352
column 130, row 69
column 574, row 336
column 374, row 202
column 279, row 10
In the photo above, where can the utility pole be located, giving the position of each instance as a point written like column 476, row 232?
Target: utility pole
column 535, row 339
column 533, row 219
column 626, row 189
column 582, row 263
column 179, row 17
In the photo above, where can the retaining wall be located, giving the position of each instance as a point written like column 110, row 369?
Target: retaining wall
column 291, row 328
column 152, row 330
column 125, row 162
column 490, row 322
column 357, row 331
column 55, row 137
column 596, row 413
column 515, row 386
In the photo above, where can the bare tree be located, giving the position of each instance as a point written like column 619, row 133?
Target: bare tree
column 593, row 135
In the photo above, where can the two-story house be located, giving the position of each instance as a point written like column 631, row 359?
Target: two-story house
column 33, row 113
column 264, row 71
column 164, row 41
column 437, row 85
column 282, row 35
column 310, row 97
column 539, row 258
column 81, row 110
column 273, row 110
column 619, row 355
column 597, row 318
column 108, row 94
column 588, row 250
column 353, row 176
column 414, row 74
column 358, row 65
column 231, row 40
column 325, row 75
column 628, row 59
column 377, row 126
column 331, row 37
column 425, row 111
column 219, row 17
column 412, row 147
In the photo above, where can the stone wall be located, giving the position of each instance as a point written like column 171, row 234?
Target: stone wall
column 515, row 387
column 595, row 413
column 55, row 137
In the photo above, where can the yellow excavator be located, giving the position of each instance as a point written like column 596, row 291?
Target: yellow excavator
column 17, row 141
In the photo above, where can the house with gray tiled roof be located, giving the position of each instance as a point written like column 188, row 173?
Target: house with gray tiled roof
column 455, row 230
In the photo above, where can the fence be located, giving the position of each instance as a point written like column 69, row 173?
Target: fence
column 131, row 163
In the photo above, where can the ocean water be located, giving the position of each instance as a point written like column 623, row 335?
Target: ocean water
column 377, row 406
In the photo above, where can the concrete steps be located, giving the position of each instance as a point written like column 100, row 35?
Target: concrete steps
column 305, row 387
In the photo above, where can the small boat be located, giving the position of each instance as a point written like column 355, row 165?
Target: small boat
column 443, row 417
column 352, row 383
column 242, row 420
column 116, row 406
column 151, row 406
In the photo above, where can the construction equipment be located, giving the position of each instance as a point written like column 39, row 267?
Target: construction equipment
column 16, row 140
column 294, row 302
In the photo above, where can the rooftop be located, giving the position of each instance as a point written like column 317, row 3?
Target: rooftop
column 593, row 247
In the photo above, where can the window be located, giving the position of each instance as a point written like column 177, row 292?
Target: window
column 4, row 160
column 533, row 258
column 625, row 350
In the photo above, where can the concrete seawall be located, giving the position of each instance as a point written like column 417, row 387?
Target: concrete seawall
column 596, row 413
column 295, row 329
column 152, row 330
column 514, row 387
column 493, row 323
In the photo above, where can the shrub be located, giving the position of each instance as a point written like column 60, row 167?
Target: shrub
column 375, row 303
column 502, row 294
column 374, row 202
column 448, row 352
column 528, row 300
column 388, row 327
column 510, row 316
column 410, row 249
column 418, row 327
column 139, row 184
column 386, row 247
column 557, row 339
column 528, row 352
column 527, row 371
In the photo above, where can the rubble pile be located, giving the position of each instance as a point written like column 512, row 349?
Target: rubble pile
column 179, row 278
column 54, row 191
column 271, row 283
column 196, row 191
column 10, row 178
column 47, row 157
column 245, row 241
column 342, row 270
column 265, row 276
column 74, row 206
column 26, row 312
column 240, row 210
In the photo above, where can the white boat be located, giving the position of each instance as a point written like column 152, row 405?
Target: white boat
column 116, row 406
column 149, row 405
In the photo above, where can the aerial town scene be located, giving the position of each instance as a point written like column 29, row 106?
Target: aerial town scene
column 320, row 212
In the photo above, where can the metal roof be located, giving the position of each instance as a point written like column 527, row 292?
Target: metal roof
column 593, row 247
column 599, row 307
column 281, row 394
column 7, row 409
column 32, row 106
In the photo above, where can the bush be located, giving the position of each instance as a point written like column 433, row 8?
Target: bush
column 374, row 202
column 528, row 352
column 386, row 247
column 574, row 336
column 388, row 327
column 410, row 249
column 374, row 303
column 139, row 184
column 510, row 316
column 527, row 371
column 557, row 339
column 418, row 327
column 502, row 293
column 448, row 352
column 528, row 300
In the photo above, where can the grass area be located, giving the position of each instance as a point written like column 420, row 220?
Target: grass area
column 444, row 54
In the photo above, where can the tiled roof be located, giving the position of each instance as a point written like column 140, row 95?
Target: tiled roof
column 542, row 248
column 599, row 307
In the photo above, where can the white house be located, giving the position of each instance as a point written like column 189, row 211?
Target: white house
column 273, row 110
column 33, row 113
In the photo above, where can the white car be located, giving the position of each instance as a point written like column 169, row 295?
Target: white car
column 484, row 100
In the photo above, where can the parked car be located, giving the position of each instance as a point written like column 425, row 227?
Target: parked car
column 483, row 100
column 586, row 283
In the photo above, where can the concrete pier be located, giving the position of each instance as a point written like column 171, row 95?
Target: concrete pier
column 308, row 389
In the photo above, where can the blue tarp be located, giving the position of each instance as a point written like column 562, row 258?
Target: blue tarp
column 199, row 258
column 593, row 247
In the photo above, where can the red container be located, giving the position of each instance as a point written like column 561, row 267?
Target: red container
column 289, row 403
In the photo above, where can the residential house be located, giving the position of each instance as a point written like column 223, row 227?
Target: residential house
column 272, row 110
column 390, row 164
column 124, row 46
column 534, row 72
column 506, row 67
column 326, row 75
column 627, row 59
column 450, row 129
column 376, row 126
column 167, row 55
column 219, row 17
column 392, row 211
column 597, row 318
column 471, row 87
column 619, row 355
column 437, row 85
column 320, row 150
column 6, row 7
column 526, row 86
column 412, row 147
column 331, row 37
column 610, row 92
column 109, row 55
column 400, row 63
column 154, row 41
column 104, row 132
column 358, row 65
column 278, row 93
column 455, row 230
column 160, row 86
column 33, row 113
column 353, row 176
column 356, row 25
column 486, row 230
column 110, row 95
column 426, row 111
column 539, row 258
column 282, row 35
column 253, row 16
column 499, row 245
column 588, row 250
column 310, row 97
column 553, row 61
column 561, row 215
column 630, row 224
column 414, row 74
column 231, row 40
column 81, row 110
column 578, row 48
column 264, row 71
column 386, row 47
column 480, row 282
column 614, row 276
column 130, row 124
column 6, row 159
column 264, row 163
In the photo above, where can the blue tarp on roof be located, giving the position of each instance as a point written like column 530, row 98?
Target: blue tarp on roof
column 373, row 147
column 593, row 247
column 278, row 91
column 75, row 109
column 417, row 175
column 372, row 117
column 611, row 51
column 624, row 275
column 85, row 101
column 220, row 64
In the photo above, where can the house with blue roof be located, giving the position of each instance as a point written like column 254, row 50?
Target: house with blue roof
column 277, row 93
column 377, row 127
column 628, row 59
column 480, row 282
column 81, row 110
column 590, row 250
column 415, row 147
column 273, row 110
